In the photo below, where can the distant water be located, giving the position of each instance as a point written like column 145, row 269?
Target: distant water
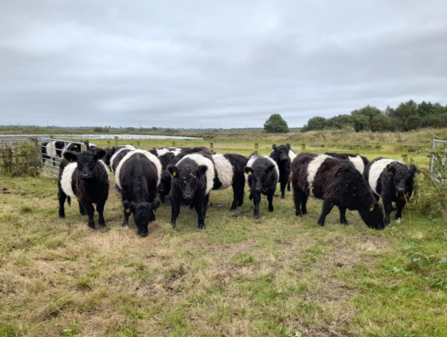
column 87, row 136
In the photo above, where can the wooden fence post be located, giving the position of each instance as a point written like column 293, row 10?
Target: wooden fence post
column 405, row 158
column 303, row 147
column 405, row 148
column 173, row 144
column 138, row 143
column 357, row 149
column 211, row 145
column 116, row 140
column 108, row 143
column 256, row 147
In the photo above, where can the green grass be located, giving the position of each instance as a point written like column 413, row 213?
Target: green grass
column 278, row 275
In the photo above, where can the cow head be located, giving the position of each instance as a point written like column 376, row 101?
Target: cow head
column 262, row 178
column 373, row 215
column 86, row 161
column 402, row 177
column 281, row 152
column 186, row 178
column 143, row 213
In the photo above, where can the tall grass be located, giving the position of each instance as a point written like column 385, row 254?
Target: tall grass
column 19, row 161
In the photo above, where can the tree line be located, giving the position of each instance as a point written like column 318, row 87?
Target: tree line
column 407, row 116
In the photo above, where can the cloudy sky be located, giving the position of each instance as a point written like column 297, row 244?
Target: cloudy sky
column 217, row 63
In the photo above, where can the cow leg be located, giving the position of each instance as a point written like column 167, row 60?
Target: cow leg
column 388, row 206
column 175, row 208
column 201, row 211
column 283, row 184
column 100, row 209
column 304, row 203
column 127, row 213
column 162, row 197
column 298, row 199
column 62, row 197
column 400, row 204
column 90, row 212
column 256, row 200
column 205, row 205
column 81, row 209
column 288, row 186
column 327, row 208
column 238, row 195
column 270, row 199
column 343, row 220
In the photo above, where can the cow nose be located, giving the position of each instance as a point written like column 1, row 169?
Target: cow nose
column 85, row 176
column 401, row 189
column 188, row 196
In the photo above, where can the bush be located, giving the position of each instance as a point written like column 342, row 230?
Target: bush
column 22, row 160
column 276, row 124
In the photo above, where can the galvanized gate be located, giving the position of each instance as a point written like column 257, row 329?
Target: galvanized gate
column 52, row 152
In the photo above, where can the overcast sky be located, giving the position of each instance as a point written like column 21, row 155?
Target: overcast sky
column 217, row 63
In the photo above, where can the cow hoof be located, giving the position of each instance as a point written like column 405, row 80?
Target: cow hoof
column 256, row 216
column 202, row 227
column 102, row 225
column 283, row 196
column 124, row 224
column 304, row 212
column 143, row 235
column 62, row 216
column 173, row 225
column 270, row 210
column 321, row 224
column 92, row 227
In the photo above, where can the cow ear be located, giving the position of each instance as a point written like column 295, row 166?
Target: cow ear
column 201, row 170
column 413, row 169
column 71, row 156
column 288, row 146
column 100, row 154
column 248, row 170
column 154, row 152
column 274, row 147
column 112, row 150
column 173, row 170
column 391, row 168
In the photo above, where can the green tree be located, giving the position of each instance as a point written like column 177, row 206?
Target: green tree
column 381, row 123
column 367, row 114
column 340, row 122
column 315, row 123
column 360, row 122
column 276, row 124
column 400, row 115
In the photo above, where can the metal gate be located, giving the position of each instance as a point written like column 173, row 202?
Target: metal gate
column 52, row 152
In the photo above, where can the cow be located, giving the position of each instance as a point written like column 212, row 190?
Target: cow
column 192, row 181
column 52, row 150
column 84, row 177
column 392, row 181
column 137, row 176
column 261, row 176
column 230, row 172
column 165, row 185
column 358, row 161
column 117, row 154
column 337, row 183
column 283, row 155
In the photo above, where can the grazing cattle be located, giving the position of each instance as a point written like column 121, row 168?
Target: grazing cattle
column 162, row 151
column 84, row 177
column 261, row 175
column 192, row 181
column 52, row 150
column 283, row 155
column 338, row 183
column 393, row 181
column 165, row 185
column 137, row 176
column 358, row 161
column 230, row 172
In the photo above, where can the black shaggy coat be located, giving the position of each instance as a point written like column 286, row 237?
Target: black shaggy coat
column 238, row 164
column 189, row 186
column 346, row 156
column 89, row 182
column 280, row 155
column 261, row 177
column 394, row 185
column 138, row 178
column 338, row 183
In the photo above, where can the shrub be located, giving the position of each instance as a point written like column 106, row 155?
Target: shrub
column 22, row 160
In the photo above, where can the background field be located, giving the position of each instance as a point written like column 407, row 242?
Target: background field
column 275, row 276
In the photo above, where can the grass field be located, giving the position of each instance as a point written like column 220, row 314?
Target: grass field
column 275, row 276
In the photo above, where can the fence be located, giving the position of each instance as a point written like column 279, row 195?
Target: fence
column 52, row 151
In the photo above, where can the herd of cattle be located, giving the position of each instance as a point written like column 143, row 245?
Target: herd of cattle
column 145, row 178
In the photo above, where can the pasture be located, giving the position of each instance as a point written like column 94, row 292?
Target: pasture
column 278, row 275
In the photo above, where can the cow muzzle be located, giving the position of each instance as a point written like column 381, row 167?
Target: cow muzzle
column 85, row 176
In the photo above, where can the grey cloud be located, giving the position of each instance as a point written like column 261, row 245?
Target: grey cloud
column 222, row 64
